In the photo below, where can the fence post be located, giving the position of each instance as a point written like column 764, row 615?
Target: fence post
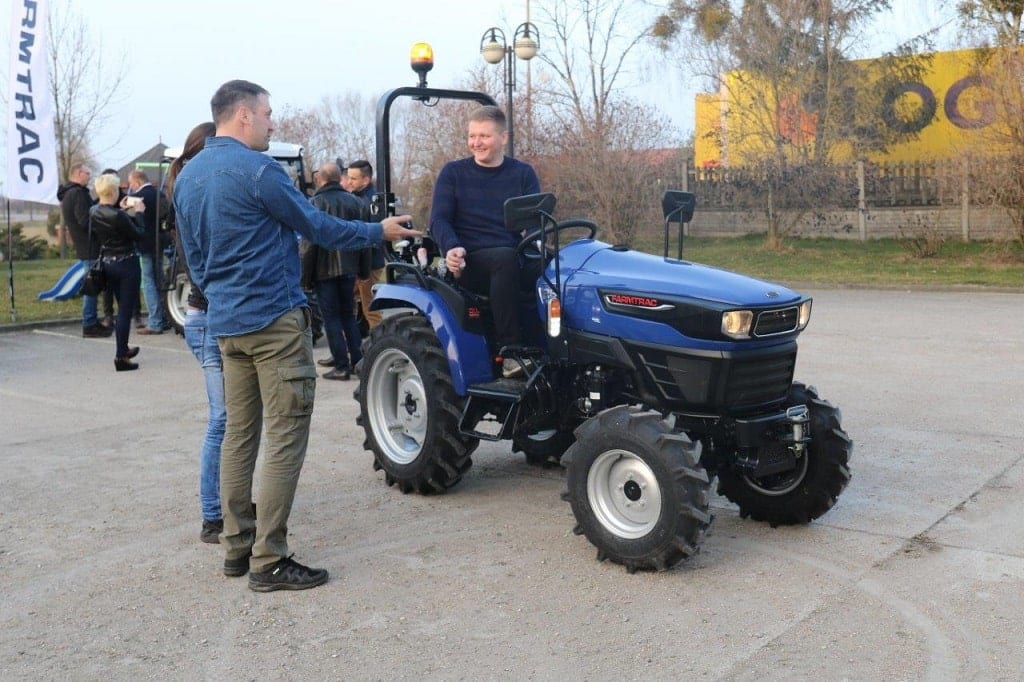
column 861, row 203
column 965, row 201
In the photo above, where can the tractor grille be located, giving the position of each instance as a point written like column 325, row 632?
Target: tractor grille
column 772, row 322
column 729, row 382
column 759, row 381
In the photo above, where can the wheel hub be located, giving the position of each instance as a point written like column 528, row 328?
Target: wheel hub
column 396, row 406
column 624, row 494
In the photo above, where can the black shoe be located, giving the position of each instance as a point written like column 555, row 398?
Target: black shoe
column 338, row 374
column 132, row 352
column 96, row 331
column 146, row 331
column 287, row 574
column 211, row 531
column 125, row 365
column 326, row 362
column 236, row 568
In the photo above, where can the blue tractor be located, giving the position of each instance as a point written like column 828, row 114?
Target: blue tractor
column 648, row 377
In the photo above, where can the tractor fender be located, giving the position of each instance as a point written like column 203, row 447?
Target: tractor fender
column 469, row 359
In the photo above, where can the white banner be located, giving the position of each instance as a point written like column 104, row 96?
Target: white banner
column 31, row 143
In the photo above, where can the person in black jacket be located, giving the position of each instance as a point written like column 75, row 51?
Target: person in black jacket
column 333, row 273
column 360, row 182
column 75, row 202
column 150, row 249
column 117, row 235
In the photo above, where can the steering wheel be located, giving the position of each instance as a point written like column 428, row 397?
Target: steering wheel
column 528, row 248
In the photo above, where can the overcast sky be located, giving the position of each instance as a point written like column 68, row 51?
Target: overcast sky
column 179, row 51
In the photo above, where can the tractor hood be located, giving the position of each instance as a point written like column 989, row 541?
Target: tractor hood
column 589, row 263
column 632, row 296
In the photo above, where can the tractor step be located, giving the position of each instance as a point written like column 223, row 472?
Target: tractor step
column 496, row 403
column 511, row 389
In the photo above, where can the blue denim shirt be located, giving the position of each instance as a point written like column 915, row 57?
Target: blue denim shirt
column 239, row 217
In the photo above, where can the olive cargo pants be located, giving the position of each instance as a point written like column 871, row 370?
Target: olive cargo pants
column 269, row 379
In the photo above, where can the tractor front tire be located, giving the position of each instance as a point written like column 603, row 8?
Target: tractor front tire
column 637, row 489
column 408, row 408
column 809, row 490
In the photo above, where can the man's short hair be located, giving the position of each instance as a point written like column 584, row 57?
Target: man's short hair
column 490, row 113
column 230, row 95
column 139, row 175
column 363, row 166
column 77, row 167
column 329, row 172
column 107, row 186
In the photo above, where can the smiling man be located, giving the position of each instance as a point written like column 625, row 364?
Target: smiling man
column 467, row 220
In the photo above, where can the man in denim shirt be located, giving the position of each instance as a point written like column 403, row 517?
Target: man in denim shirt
column 238, row 214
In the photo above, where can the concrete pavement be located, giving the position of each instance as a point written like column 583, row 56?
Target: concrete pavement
column 916, row 574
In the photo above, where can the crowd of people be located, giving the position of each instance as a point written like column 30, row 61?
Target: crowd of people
column 259, row 254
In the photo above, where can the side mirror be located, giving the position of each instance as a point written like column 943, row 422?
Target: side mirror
column 677, row 206
column 526, row 212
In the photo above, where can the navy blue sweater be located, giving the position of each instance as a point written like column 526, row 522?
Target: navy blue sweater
column 469, row 201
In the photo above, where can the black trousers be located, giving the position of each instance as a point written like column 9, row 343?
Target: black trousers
column 496, row 273
column 124, row 275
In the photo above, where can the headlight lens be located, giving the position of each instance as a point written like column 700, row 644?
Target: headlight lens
column 804, row 315
column 736, row 323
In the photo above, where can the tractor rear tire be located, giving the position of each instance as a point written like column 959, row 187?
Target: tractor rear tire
column 408, row 408
column 175, row 302
column 637, row 489
column 811, row 489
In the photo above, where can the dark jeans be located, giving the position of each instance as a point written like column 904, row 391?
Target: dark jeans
column 496, row 273
column 340, row 327
column 123, row 278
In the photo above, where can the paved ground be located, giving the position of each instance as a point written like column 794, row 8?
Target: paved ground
column 917, row 574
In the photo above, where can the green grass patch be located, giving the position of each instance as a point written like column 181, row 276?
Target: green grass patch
column 882, row 262
column 31, row 277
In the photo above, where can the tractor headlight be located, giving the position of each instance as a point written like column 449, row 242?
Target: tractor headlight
column 804, row 314
column 736, row 323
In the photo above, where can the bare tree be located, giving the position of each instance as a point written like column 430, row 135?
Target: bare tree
column 84, row 84
column 338, row 126
column 997, row 25
column 589, row 134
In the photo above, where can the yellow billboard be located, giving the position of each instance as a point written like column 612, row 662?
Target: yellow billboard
column 947, row 110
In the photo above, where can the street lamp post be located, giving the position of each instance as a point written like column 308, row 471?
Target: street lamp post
column 495, row 48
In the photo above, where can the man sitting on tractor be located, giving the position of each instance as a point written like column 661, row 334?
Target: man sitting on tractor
column 467, row 221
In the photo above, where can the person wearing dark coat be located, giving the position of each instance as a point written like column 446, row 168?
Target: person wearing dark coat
column 333, row 273
column 75, row 202
column 117, row 234
column 149, row 249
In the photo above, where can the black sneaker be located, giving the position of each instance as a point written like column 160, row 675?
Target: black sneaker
column 96, row 331
column 287, row 574
column 211, row 531
column 236, row 568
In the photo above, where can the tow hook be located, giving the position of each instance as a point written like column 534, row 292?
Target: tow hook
column 798, row 416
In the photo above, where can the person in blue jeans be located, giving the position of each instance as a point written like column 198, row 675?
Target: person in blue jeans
column 204, row 346
column 150, row 251
column 333, row 273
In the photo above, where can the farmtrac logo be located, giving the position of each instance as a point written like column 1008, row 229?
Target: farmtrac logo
column 635, row 301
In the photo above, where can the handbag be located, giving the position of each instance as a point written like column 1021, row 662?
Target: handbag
column 95, row 280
